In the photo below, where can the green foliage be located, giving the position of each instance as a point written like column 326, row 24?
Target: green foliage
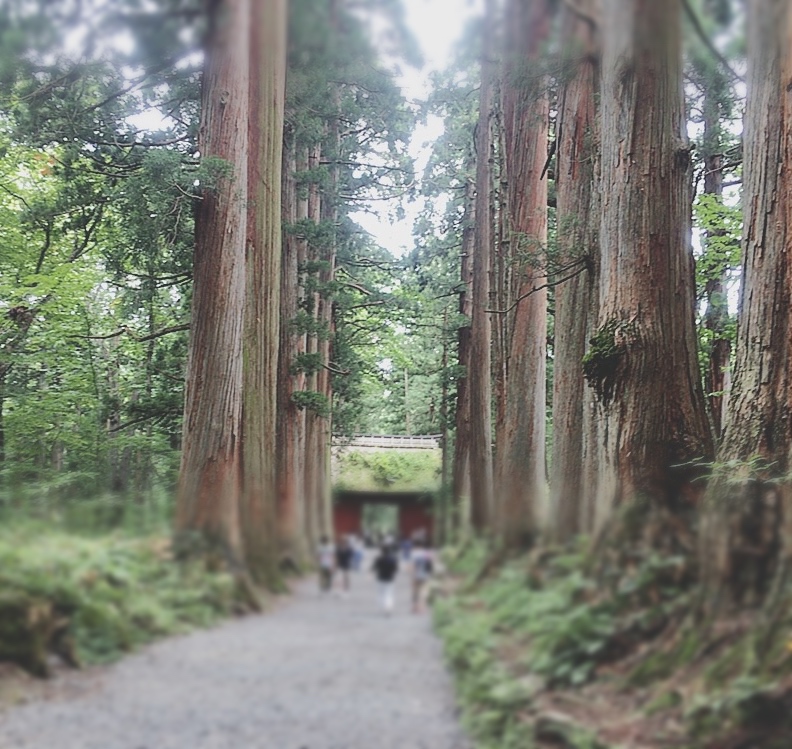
column 115, row 592
column 310, row 400
column 747, row 703
column 514, row 631
column 309, row 363
column 722, row 225
column 394, row 470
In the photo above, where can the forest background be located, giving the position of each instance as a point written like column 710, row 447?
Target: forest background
column 557, row 322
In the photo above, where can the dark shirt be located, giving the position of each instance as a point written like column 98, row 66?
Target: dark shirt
column 344, row 557
column 385, row 567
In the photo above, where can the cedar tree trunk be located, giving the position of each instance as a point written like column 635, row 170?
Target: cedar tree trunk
column 643, row 358
column 479, row 371
column 746, row 536
column 521, row 456
column 210, row 477
column 578, row 237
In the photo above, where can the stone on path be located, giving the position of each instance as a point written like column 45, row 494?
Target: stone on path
column 319, row 671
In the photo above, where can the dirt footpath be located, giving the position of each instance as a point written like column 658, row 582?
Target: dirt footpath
column 318, row 672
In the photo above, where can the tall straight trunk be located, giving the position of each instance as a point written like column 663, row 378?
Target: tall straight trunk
column 302, row 346
column 312, row 420
column 578, row 239
column 325, row 312
column 716, row 316
column 479, row 369
column 2, row 425
column 643, row 357
column 461, row 469
column 747, row 530
column 521, row 458
column 210, row 477
column 443, row 534
column 501, row 294
column 290, row 418
column 262, row 309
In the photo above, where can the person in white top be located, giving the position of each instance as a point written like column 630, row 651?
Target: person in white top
column 325, row 557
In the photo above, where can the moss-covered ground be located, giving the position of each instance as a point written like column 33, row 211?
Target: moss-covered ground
column 88, row 598
column 546, row 656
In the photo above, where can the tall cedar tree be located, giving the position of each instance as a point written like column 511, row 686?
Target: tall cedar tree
column 313, row 479
column 479, row 372
column 291, row 419
column 211, row 472
column 747, row 534
column 643, row 360
column 262, row 307
column 526, row 103
column 574, row 403
column 716, row 316
column 461, row 470
column 227, row 480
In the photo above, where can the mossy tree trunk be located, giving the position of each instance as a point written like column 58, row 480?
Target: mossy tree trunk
column 574, row 402
column 521, row 472
column 746, row 539
column 643, row 360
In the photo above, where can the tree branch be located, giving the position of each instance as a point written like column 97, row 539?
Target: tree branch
column 547, row 285
column 699, row 29
column 140, row 339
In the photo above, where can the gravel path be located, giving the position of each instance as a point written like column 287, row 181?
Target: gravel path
column 318, row 672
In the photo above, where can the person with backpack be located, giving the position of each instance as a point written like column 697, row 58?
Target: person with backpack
column 422, row 569
column 386, row 567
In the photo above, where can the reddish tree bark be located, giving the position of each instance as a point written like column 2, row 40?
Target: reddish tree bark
column 746, row 539
column 210, row 478
column 521, row 456
column 461, row 471
column 262, row 308
column 479, row 371
column 313, row 465
column 291, row 419
column 643, row 359
column 575, row 296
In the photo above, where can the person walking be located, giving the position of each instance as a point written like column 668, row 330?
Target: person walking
column 344, row 557
column 386, row 567
column 357, row 552
column 422, row 567
column 325, row 557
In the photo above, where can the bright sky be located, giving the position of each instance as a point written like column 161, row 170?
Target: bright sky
column 437, row 25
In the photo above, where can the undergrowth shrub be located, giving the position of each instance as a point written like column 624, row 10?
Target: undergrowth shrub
column 517, row 631
column 101, row 595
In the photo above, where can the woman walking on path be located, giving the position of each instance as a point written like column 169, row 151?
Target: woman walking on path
column 386, row 567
